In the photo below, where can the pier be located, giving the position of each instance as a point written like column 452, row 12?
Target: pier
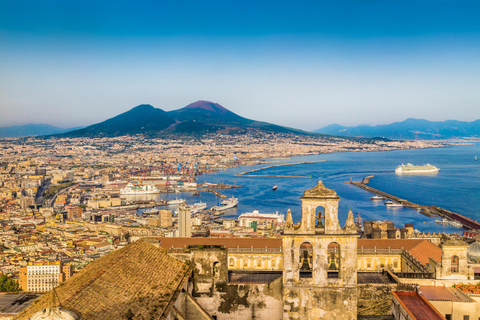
column 215, row 192
column 246, row 173
column 430, row 211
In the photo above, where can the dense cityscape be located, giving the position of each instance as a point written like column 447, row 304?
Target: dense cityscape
column 67, row 202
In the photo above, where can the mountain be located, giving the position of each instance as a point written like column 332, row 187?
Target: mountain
column 197, row 118
column 141, row 119
column 410, row 129
column 29, row 130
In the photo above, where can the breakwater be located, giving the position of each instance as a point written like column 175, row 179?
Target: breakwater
column 247, row 173
column 430, row 211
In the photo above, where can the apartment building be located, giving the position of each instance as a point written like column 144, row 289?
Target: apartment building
column 43, row 276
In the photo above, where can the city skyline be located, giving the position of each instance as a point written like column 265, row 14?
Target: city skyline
column 75, row 64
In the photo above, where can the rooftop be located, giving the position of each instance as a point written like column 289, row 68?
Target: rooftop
column 12, row 303
column 421, row 249
column 139, row 279
column 373, row 277
column 417, row 306
column 443, row 294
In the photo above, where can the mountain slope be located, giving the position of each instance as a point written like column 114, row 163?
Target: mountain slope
column 409, row 129
column 141, row 119
column 197, row 118
column 29, row 130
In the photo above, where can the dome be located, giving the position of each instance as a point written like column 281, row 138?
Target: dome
column 473, row 252
column 55, row 313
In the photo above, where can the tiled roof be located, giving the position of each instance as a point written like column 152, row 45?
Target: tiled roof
column 443, row 294
column 421, row 249
column 417, row 306
column 139, row 279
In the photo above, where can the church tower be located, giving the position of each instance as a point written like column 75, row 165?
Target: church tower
column 320, row 260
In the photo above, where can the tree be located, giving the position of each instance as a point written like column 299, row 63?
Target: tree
column 8, row 285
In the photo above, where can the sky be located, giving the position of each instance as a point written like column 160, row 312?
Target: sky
column 302, row 64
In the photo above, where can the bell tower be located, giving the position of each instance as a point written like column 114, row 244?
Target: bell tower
column 320, row 260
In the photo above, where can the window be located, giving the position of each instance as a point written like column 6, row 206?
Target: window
column 259, row 263
column 231, row 263
column 245, row 263
column 466, row 317
column 216, row 269
column 333, row 262
column 320, row 218
column 448, row 316
column 306, row 252
column 274, row 264
column 454, row 265
column 395, row 264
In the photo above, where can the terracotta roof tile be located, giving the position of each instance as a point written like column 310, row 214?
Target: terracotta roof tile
column 417, row 306
column 126, row 279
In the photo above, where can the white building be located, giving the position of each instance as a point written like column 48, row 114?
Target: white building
column 246, row 219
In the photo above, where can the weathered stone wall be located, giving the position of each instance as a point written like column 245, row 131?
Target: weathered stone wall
column 320, row 303
column 244, row 301
column 230, row 301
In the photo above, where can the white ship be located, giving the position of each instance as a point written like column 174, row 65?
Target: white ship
column 197, row 207
column 134, row 188
column 392, row 204
column 175, row 202
column 377, row 198
column 226, row 204
column 410, row 168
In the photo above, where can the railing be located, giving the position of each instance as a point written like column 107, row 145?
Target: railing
column 255, row 250
column 379, row 251
column 414, row 275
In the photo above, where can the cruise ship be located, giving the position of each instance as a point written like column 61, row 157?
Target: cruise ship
column 134, row 188
column 226, row 204
column 410, row 168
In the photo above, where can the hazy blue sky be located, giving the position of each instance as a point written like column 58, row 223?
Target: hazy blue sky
column 304, row 64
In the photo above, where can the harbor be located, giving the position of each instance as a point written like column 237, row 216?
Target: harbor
column 430, row 211
column 247, row 173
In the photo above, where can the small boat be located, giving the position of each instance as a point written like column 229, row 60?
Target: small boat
column 274, row 188
column 376, row 198
column 455, row 224
column 444, row 221
column 175, row 202
column 196, row 194
column 475, row 158
column 392, row 204
column 151, row 210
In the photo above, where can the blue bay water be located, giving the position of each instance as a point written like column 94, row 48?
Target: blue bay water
column 455, row 187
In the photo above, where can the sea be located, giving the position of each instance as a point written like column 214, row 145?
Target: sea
column 455, row 187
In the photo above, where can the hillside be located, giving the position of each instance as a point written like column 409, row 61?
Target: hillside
column 198, row 118
column 29, row 130
column 410, row 129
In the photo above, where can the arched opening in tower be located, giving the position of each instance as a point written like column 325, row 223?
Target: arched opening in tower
column 306, row 254
column 333, row 260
